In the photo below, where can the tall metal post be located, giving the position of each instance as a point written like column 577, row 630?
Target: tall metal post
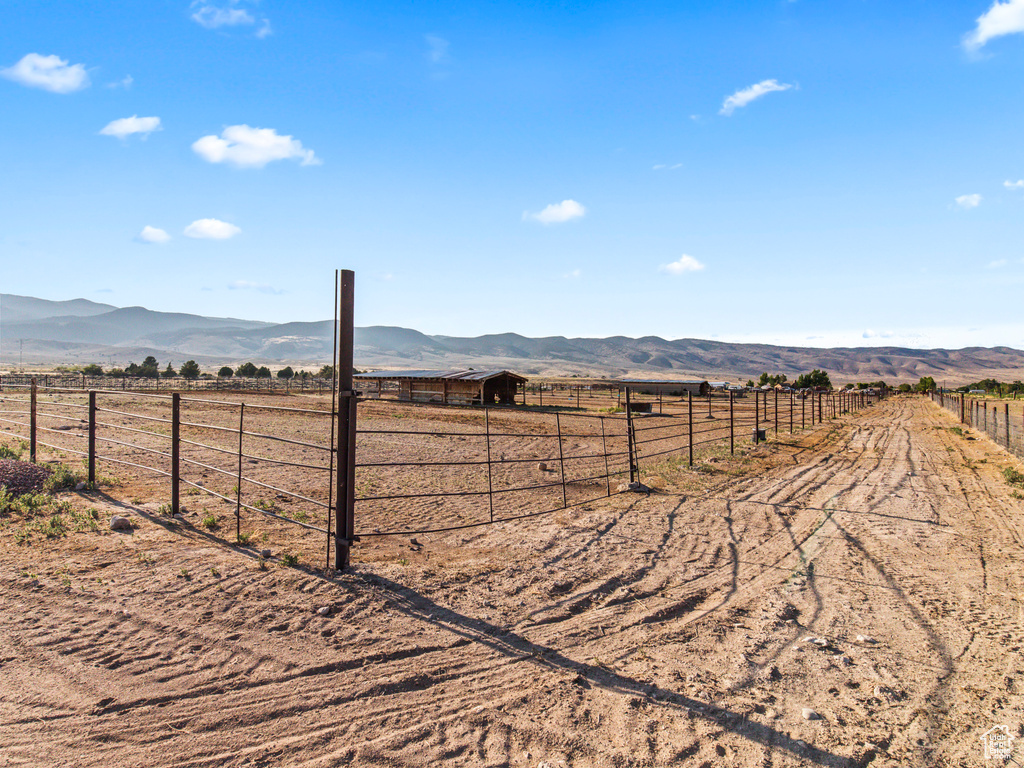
column 689, row 417
column 732, row 429
column 32, row 423
column 776, row 412
column 238, row 488
column 757, row 415
column 175, row 452
column 791, row 412
column 92, row 439
column 561, row 458
column 630, row 441
column 345, row 522
column 1007, row 415
column 490, row 482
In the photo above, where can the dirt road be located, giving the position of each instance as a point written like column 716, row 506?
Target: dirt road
column 869, row 572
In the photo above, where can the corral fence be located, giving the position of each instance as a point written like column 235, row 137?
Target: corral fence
column 418, row 467
column 996, row 420
column 157, row 384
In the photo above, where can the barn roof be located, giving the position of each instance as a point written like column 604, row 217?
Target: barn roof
column 462, row 375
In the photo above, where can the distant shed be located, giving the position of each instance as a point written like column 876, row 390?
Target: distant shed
column 460, row 387
column 672, row 388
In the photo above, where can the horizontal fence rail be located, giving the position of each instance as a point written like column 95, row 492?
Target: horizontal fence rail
column 419, row 467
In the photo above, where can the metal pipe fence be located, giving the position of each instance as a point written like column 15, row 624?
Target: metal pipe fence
column 418, row 468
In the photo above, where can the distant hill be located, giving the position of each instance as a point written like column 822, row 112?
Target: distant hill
column 80, row 331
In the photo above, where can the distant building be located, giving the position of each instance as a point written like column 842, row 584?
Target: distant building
column 459, row 387
column 671, row 388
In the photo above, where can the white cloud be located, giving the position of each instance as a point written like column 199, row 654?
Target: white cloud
column 246, row 147
column 743, row 97
column 573, row 275
column 126, row 83
column 682, row 266
column 212, row 16
column 666, row 167
column 1001, row 19
column 556, row 213
column 248, row 285
column 211, row 229
column 437, row 48
column 152, row 235
column 126, row 126
column 1014, row 184
column 51, row 73
column 997, row 263
column 969, row 201
column 869, row 334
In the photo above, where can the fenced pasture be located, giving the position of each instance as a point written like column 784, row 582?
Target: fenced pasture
column 1002, row 421
column 270, row 461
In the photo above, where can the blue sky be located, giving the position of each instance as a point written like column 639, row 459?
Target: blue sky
column 842, row 173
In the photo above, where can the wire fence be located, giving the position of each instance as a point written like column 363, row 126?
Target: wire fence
column 299, row 384
column 996, row 420
column 419, row 468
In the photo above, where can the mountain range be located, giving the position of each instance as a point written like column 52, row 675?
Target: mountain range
column 38, row 332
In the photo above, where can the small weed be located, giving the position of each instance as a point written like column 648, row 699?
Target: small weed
column 265, row 537
column 146, row 559
column 243, row 539
column 27, row 574
column 403, row 561
column 6, row 452
column 65, row 580
column 85, row 521
column 957, row 431
column 192, row 491
column 165, row 509
column 300, row 516
column 210, row 522
column 262, row 563
column 266, row 506
column 136, row 500
column 185, row 574
column 215, row 573
column 61, row 477
column 1013, row 477
column 289, row 560
column 1016, row 495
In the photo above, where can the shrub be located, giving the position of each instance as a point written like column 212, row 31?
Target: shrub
column 263, row 372
column 246, row 371
column 225, row 372
column 190, row 370
column 1013, row 477
column 60, row 478
column 286, row 372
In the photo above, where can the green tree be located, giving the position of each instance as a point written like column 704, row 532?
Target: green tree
column 263, row 372
column 169, row 372
column 149, row 368
column 93, row 370
column 286, row 372
column 246, row 371
column 190, row 370
column 327, row 372
column 813, row 379
column 225, row 372
column 926, row 384
column 904, row 388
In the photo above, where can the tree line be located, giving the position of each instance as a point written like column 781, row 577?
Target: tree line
column 150, row 369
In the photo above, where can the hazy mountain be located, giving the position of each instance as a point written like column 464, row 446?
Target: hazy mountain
column 81, row 331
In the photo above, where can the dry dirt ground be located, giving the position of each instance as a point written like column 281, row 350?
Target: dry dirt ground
column 642, row 630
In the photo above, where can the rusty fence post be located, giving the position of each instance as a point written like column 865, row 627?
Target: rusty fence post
column 346, row 428
column 689, row 420
column 604, row 450
column 561, row 458
column 776, row 412
column 92, row 440
column 175, row 452
column 32, row 422
column 490, row 483
column 631, row 441
column 732, row 428
column 757, row 415
column 238, row 487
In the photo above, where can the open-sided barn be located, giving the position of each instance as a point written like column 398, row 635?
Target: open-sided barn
column 461, row 387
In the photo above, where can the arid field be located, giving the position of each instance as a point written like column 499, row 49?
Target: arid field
column 843, row 597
